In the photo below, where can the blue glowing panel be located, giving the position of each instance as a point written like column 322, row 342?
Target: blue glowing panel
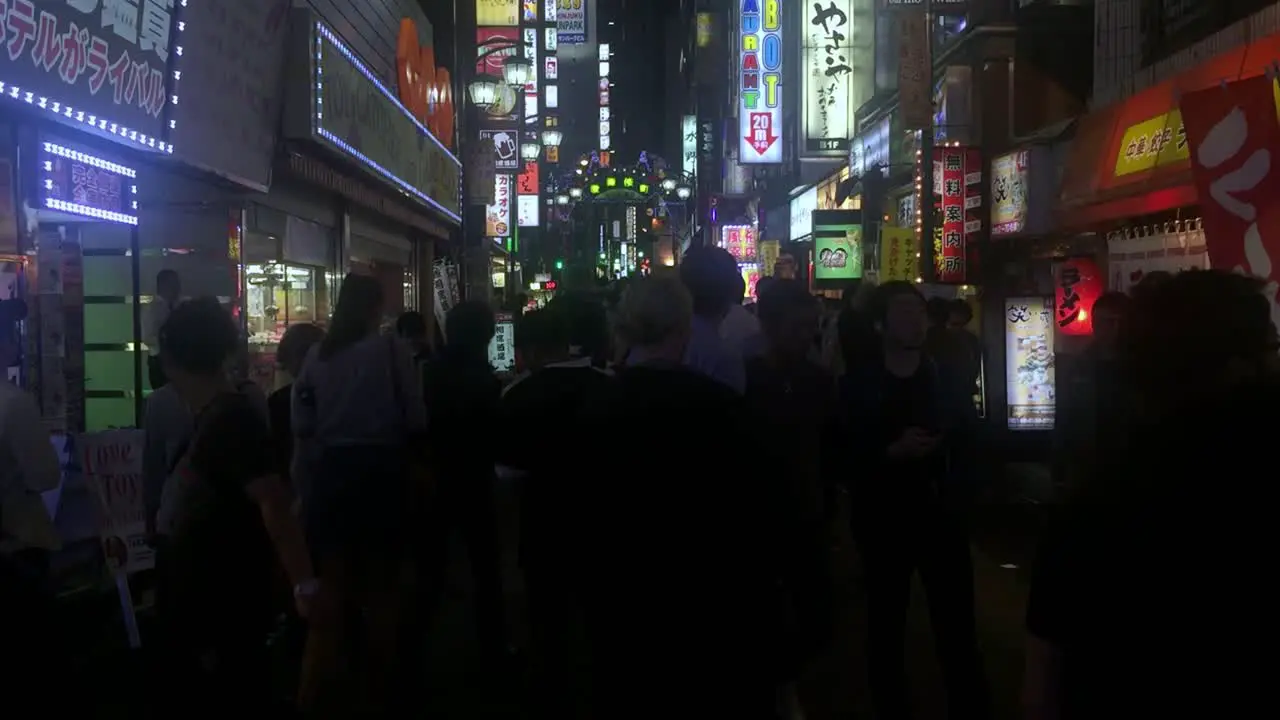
column 357, row 115
column 112, row 69
column 82, row 184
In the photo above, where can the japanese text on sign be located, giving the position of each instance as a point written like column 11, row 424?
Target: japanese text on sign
column 760, row 82
column 1152, row 143
column 958, row 209
column 81, row 48
column 828, row 85
column 502, row 347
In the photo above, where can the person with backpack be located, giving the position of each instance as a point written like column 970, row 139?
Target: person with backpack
column 906, row 511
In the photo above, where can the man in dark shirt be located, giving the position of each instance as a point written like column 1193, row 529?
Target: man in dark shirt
column 906, row 514
column 462, row 395
column 542, row 422
column 686, row 551
column 792, row 401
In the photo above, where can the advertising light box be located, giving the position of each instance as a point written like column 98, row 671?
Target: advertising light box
column 1030, row 392
column 837, row 246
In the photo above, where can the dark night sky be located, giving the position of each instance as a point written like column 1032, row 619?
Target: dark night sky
column 641, row 43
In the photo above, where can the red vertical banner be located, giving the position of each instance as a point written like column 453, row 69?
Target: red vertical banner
column 1079, row 286
column 949, row 255
column 1235, row 138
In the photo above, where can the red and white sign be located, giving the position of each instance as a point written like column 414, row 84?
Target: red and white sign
column 1079, row 285
column 1234, row 137
column 958, row 197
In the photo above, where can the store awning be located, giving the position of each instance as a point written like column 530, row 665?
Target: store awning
column 1131, row 159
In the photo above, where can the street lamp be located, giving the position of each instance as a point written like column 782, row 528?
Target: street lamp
column 552, row 138
column 575, row 193
column 484, row 90
column 563, row 199
column 516, row 71
column 530, row 151
column 683, row 192
column 668, row 184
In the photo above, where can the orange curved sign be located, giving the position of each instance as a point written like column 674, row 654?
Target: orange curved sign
column 425, row 89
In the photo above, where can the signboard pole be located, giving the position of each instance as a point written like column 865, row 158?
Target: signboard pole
column 928, row 271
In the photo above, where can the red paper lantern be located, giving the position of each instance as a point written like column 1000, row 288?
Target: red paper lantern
column 1079, row 285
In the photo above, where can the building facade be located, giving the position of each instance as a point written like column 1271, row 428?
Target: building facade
column 176, row 159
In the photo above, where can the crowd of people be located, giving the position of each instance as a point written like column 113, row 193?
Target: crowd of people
column 681, row 462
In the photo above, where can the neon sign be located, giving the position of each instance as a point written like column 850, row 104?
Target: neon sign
column 83, row 184
column 760, row 83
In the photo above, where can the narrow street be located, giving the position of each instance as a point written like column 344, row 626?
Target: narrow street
column 835, row 688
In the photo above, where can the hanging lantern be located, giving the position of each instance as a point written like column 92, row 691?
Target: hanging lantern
column 1079, row 285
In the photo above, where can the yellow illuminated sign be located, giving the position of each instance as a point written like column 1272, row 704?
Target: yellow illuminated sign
column 1159, row 141
column 500, row 13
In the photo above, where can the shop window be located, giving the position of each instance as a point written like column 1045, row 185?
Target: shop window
column 278, row 295
column 290, row 278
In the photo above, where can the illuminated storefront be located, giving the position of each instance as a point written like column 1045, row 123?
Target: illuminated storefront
column 88, row 112
column 387, row 193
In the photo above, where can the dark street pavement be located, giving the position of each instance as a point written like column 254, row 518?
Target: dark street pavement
column 836, row 688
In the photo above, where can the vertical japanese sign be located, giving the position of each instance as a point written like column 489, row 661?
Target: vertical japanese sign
column 1030, row 392
column 1234, row 136
column 605, row 124
column 760, row 82
column 82, row 58
column 1079, row 286
column 497, row 216
column 531, row 85
column 958, row 199
column 502, row 346
column 527, row 206
column 527, row 211
column 915, row 75
column 828, row 78
column 689, row 145
column 899, row 254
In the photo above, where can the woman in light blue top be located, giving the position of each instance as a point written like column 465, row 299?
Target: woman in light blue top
column 358, row 419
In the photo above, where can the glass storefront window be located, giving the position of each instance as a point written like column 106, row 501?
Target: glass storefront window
column 278, row 295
